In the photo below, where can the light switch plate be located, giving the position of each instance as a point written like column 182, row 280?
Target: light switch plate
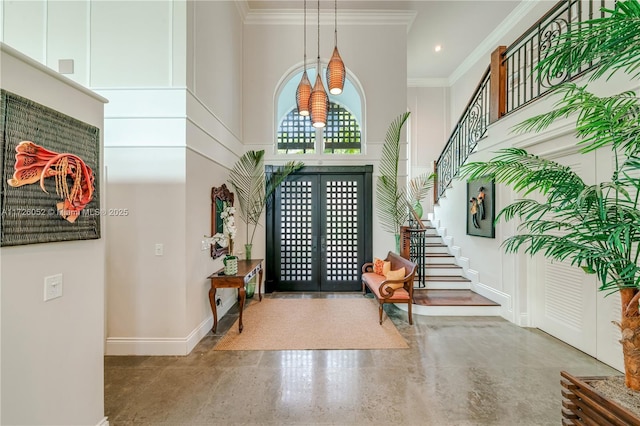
column 52, row 287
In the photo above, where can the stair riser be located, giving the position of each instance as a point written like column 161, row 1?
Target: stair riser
column 447, row 259
column 437, row 249
column 457, row 311
column 449, row 272
column 446, row 285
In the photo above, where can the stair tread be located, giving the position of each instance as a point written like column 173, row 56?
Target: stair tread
column 456, row 278
column 426, row 297
column 438, row 255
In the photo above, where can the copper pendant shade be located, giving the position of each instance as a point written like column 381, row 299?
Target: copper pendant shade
column 335, row 73
column 303, row 93
column 319, row 104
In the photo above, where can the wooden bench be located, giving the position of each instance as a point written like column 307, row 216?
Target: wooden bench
column 390, row 291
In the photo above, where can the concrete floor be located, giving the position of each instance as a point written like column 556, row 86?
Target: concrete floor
column 457, row 371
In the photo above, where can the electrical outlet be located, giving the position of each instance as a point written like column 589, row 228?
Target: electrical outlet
column 204, row 246
column 159, row 249
column 52, row 287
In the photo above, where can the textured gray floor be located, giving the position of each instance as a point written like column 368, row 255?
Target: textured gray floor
column 457, row 371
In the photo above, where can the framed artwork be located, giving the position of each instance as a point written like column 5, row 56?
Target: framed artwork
column 481, row 208
column 50, row 185
column 221, row 197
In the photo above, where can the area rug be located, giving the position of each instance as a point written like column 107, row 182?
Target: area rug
column 295, row 324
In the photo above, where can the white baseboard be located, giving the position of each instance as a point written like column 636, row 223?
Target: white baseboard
column 198, row 333
column 103, row 422
column 491, row 293
column 158, row 345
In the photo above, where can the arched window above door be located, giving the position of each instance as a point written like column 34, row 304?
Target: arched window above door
column 343, row 132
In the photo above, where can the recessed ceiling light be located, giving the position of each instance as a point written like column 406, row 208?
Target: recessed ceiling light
column 438, row 48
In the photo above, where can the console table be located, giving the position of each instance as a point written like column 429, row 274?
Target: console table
column 247, row 269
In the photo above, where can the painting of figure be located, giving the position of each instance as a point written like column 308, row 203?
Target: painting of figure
column 481, row 209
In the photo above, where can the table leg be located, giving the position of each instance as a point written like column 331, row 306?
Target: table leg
column 242, row 294
column 260, row 284
column 212, row 301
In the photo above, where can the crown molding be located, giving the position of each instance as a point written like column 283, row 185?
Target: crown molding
column 345, row 17
column 428, row 82
column 491, row 41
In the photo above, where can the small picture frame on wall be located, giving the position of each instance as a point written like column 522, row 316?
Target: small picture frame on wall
column 481, row 208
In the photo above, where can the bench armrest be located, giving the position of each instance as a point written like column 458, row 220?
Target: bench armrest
column 388, row 287
column 367, row 267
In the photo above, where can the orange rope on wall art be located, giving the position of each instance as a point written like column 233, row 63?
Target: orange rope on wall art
column 35, row 163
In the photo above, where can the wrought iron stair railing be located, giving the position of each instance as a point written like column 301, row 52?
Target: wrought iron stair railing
column 468, row 131
column 510, row 83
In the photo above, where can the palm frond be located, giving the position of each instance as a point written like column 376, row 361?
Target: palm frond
column 390, row 197
column 419, row 187
column 252, row 189
column 610, row 42
column 602, row 121
column 528, row 173
column 247, row 179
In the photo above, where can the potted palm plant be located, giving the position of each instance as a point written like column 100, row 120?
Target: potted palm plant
column 595, row 227
column 395, row 202
column 253, row 189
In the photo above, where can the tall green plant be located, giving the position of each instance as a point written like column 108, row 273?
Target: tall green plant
column 252, row 188
column 393, row 201
column 595, row 227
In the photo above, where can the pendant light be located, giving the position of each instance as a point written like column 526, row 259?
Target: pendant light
column 303, row 93
column 335, row 70
column 319, row 101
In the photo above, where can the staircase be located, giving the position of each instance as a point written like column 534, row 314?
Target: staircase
column 444, row 290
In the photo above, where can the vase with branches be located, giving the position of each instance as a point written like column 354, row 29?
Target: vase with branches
column 253, row 189
column 395, row 201
column 592, row 226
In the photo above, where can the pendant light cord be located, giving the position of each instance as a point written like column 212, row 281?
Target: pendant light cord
column 335, row 14
column 305, row 36
column 318, row 71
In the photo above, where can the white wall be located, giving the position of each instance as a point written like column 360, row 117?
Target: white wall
column 52, row 352
column 429, row 108
column 216, row 66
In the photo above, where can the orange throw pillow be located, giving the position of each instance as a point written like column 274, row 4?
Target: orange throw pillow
column 381, row 267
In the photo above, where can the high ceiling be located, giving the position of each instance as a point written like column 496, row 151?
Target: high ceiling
column 457, row 26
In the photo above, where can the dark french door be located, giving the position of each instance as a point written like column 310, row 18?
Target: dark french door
column 319, row 229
